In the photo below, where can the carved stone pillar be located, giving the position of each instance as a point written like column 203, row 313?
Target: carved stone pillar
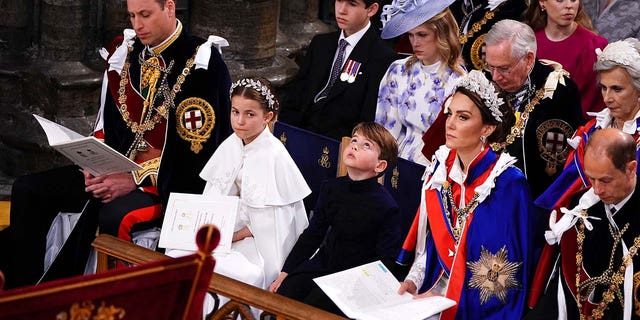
column 115, row 19
column 250, row 27
column 15, row 25
column 65, row 31
column 50, row 78
column 299, row 21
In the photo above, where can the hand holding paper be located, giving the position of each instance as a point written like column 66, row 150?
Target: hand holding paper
column 369, row 292
column 89, row 153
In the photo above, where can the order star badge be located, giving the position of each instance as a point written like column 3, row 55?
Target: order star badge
column 493, row 275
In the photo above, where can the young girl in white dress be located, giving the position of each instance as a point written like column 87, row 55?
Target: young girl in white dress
column 254, row 165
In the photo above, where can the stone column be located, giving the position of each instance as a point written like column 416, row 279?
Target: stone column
column 115, row 20
column 65, row 30
column 299, row 21
column 15, row 25
column 250, row 27
column 51, row 79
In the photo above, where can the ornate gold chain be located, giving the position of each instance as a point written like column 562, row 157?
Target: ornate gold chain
column 605, row 278
column 477, row 26
column 150, row 121
column 615, row 280
column 518, row 129
column 463, row 213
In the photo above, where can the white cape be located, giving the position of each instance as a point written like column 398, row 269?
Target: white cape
column 271, row 190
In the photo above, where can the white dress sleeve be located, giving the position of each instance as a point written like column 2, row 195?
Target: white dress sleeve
column 418, row 268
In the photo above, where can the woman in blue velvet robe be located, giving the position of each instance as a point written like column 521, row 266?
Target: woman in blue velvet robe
column 472, row 238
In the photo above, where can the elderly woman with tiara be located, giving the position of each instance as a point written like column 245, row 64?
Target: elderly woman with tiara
column 413, row 89
column 472, row 236
column 254, row 165
column 618, row 67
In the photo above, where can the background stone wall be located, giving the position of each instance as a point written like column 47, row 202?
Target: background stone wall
column 49, row 62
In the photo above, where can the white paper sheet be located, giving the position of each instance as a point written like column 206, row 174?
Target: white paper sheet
column 186, row 213
column 369, row 292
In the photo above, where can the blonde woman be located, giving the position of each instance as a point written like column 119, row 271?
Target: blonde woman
column 413, row 89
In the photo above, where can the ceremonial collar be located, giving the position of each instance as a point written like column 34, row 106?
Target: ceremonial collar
column 168, row 41
column 438, row 170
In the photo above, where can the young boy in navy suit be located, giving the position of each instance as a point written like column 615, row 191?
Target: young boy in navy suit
column 337, row 85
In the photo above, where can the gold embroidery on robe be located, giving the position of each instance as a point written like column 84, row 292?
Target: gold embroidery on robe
column 195, row 119
column 149, row 169
column 493, row 275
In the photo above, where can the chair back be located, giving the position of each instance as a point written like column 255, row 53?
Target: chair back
column 404, row 182
column 315, row 155
column 165, row 289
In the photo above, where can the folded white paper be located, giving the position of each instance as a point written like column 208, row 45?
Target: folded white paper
column 370, row 292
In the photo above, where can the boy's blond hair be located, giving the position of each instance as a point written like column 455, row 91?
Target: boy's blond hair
column 382, row 137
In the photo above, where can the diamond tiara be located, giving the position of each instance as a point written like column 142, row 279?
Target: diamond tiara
column 477, row 83
column 259, row 87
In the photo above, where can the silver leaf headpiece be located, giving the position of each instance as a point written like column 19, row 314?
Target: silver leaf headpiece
column 259, row 87
column 477, row 83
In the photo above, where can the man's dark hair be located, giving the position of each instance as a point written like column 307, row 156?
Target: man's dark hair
column 368, row 3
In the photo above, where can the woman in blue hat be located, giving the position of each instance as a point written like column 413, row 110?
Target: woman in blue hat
column 413, row 89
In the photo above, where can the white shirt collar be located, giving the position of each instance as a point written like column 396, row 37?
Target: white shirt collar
column 354, row 38
column 457, row 174
column 620, row 204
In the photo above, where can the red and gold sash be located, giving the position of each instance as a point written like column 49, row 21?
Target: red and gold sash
column 452, row 253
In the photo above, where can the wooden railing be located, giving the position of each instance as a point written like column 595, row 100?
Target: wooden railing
column 4, row 214
column 242, row 295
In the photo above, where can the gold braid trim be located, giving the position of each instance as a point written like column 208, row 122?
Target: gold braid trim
column 149, row 169
column 477, row 26
column 169, row 41
column 616, row 279
column 518, row 129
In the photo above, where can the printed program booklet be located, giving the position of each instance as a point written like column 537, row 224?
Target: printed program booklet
column 186, row 213
column 89, row 153
column 370, row 292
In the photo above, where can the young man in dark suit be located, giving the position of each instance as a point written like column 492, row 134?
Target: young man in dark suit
column 337, row 85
